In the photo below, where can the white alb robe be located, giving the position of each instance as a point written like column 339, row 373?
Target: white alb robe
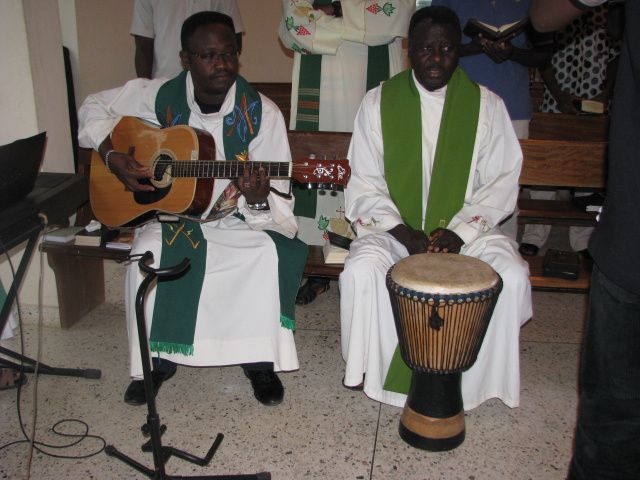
column 343, row 43
column 238, row 318
column 368, row 330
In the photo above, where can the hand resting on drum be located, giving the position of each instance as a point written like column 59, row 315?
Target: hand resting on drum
column 415, row 241
column 442, row 240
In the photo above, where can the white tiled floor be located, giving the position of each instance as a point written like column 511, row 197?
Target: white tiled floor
column 322, row 430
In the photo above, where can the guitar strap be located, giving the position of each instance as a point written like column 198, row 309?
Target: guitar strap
column 180, row 299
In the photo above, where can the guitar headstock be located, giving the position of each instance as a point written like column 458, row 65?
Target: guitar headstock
column 307, row 170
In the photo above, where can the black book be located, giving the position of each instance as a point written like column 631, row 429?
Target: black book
column 561, row 264
column 495, row 33
column 589, row 203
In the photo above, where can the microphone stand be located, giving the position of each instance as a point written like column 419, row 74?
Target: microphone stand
column 161, row 454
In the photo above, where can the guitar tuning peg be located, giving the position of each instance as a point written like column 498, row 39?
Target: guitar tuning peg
column 309, row 186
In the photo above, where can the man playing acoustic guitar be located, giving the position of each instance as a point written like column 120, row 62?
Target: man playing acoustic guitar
column 235, row 305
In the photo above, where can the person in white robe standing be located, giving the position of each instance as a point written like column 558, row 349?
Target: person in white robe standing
column 340, row 51
column 385, row 235
column 239, row 318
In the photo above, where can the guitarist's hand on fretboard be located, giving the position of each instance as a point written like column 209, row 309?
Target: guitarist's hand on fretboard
column 254, row 186
column 129, row 171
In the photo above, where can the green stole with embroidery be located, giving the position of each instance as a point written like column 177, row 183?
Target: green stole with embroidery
column 401, row 136
column 308, row 106
column 176, row 303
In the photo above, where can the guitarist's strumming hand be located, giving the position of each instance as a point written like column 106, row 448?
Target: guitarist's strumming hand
column 125, row 167
column 254, row 186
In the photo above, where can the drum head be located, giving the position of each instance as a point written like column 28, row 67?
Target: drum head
column 443, row 273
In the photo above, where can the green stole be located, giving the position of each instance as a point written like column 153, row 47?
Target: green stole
column 176, row 303
column 401, row 135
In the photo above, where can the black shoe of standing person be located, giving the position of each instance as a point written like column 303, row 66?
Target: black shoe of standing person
column 267, row 387
column 528, row 249
column 135, row 394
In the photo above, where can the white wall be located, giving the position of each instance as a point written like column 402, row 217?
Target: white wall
column 16, row 95
column 33, row 99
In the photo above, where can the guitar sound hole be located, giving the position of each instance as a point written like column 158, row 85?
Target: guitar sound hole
column 145, row 198
column 160, row 168
column 162, row 164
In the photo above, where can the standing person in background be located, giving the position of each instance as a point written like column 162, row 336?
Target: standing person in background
column 607, row 433
column 156, row 28
column 583, row 67
column 341, row 50
column 502, row 66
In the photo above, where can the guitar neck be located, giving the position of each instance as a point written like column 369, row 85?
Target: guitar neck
column 222, row 168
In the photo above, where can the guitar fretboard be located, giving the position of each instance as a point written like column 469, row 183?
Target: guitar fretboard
column 221, row 168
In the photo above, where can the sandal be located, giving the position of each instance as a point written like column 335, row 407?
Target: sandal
column 10, row 378
column 310, row 290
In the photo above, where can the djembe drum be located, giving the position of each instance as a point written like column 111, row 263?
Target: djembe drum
column 442, row 304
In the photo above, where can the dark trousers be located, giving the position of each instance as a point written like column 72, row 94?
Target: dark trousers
column 607, row 438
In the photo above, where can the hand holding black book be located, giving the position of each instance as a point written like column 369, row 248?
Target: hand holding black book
column 474, row 27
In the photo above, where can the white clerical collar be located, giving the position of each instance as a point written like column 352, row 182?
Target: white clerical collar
column 440, row 93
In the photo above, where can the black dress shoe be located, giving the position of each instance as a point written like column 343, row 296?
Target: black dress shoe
column 267, row 387
column 135, row 395
column 528, row 249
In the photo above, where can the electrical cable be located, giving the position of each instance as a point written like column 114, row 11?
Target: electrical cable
column 30, row 438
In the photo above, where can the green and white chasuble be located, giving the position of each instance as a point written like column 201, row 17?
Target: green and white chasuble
column 177, row 301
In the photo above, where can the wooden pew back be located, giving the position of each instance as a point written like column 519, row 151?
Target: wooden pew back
column 560, row 163
column 563, row 126
column 330, row 145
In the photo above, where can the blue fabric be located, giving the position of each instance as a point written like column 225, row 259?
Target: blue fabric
column 608, row 429
column 508, row 79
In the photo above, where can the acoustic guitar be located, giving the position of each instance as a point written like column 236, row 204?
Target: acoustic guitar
column 182, row 177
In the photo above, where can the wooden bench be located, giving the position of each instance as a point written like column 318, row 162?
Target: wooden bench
column 547, row 163
column 561, row 164
column 79, row 270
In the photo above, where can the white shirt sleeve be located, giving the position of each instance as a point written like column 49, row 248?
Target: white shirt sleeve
column 142, row 19
column 367, row 202
column 100, row 112
column 493, row 189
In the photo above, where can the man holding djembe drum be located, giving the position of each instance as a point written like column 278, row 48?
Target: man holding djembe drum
column 434, row 168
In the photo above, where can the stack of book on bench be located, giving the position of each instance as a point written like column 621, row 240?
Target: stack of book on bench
column 336, row 249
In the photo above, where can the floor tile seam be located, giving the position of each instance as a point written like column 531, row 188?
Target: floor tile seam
column 547, row 342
